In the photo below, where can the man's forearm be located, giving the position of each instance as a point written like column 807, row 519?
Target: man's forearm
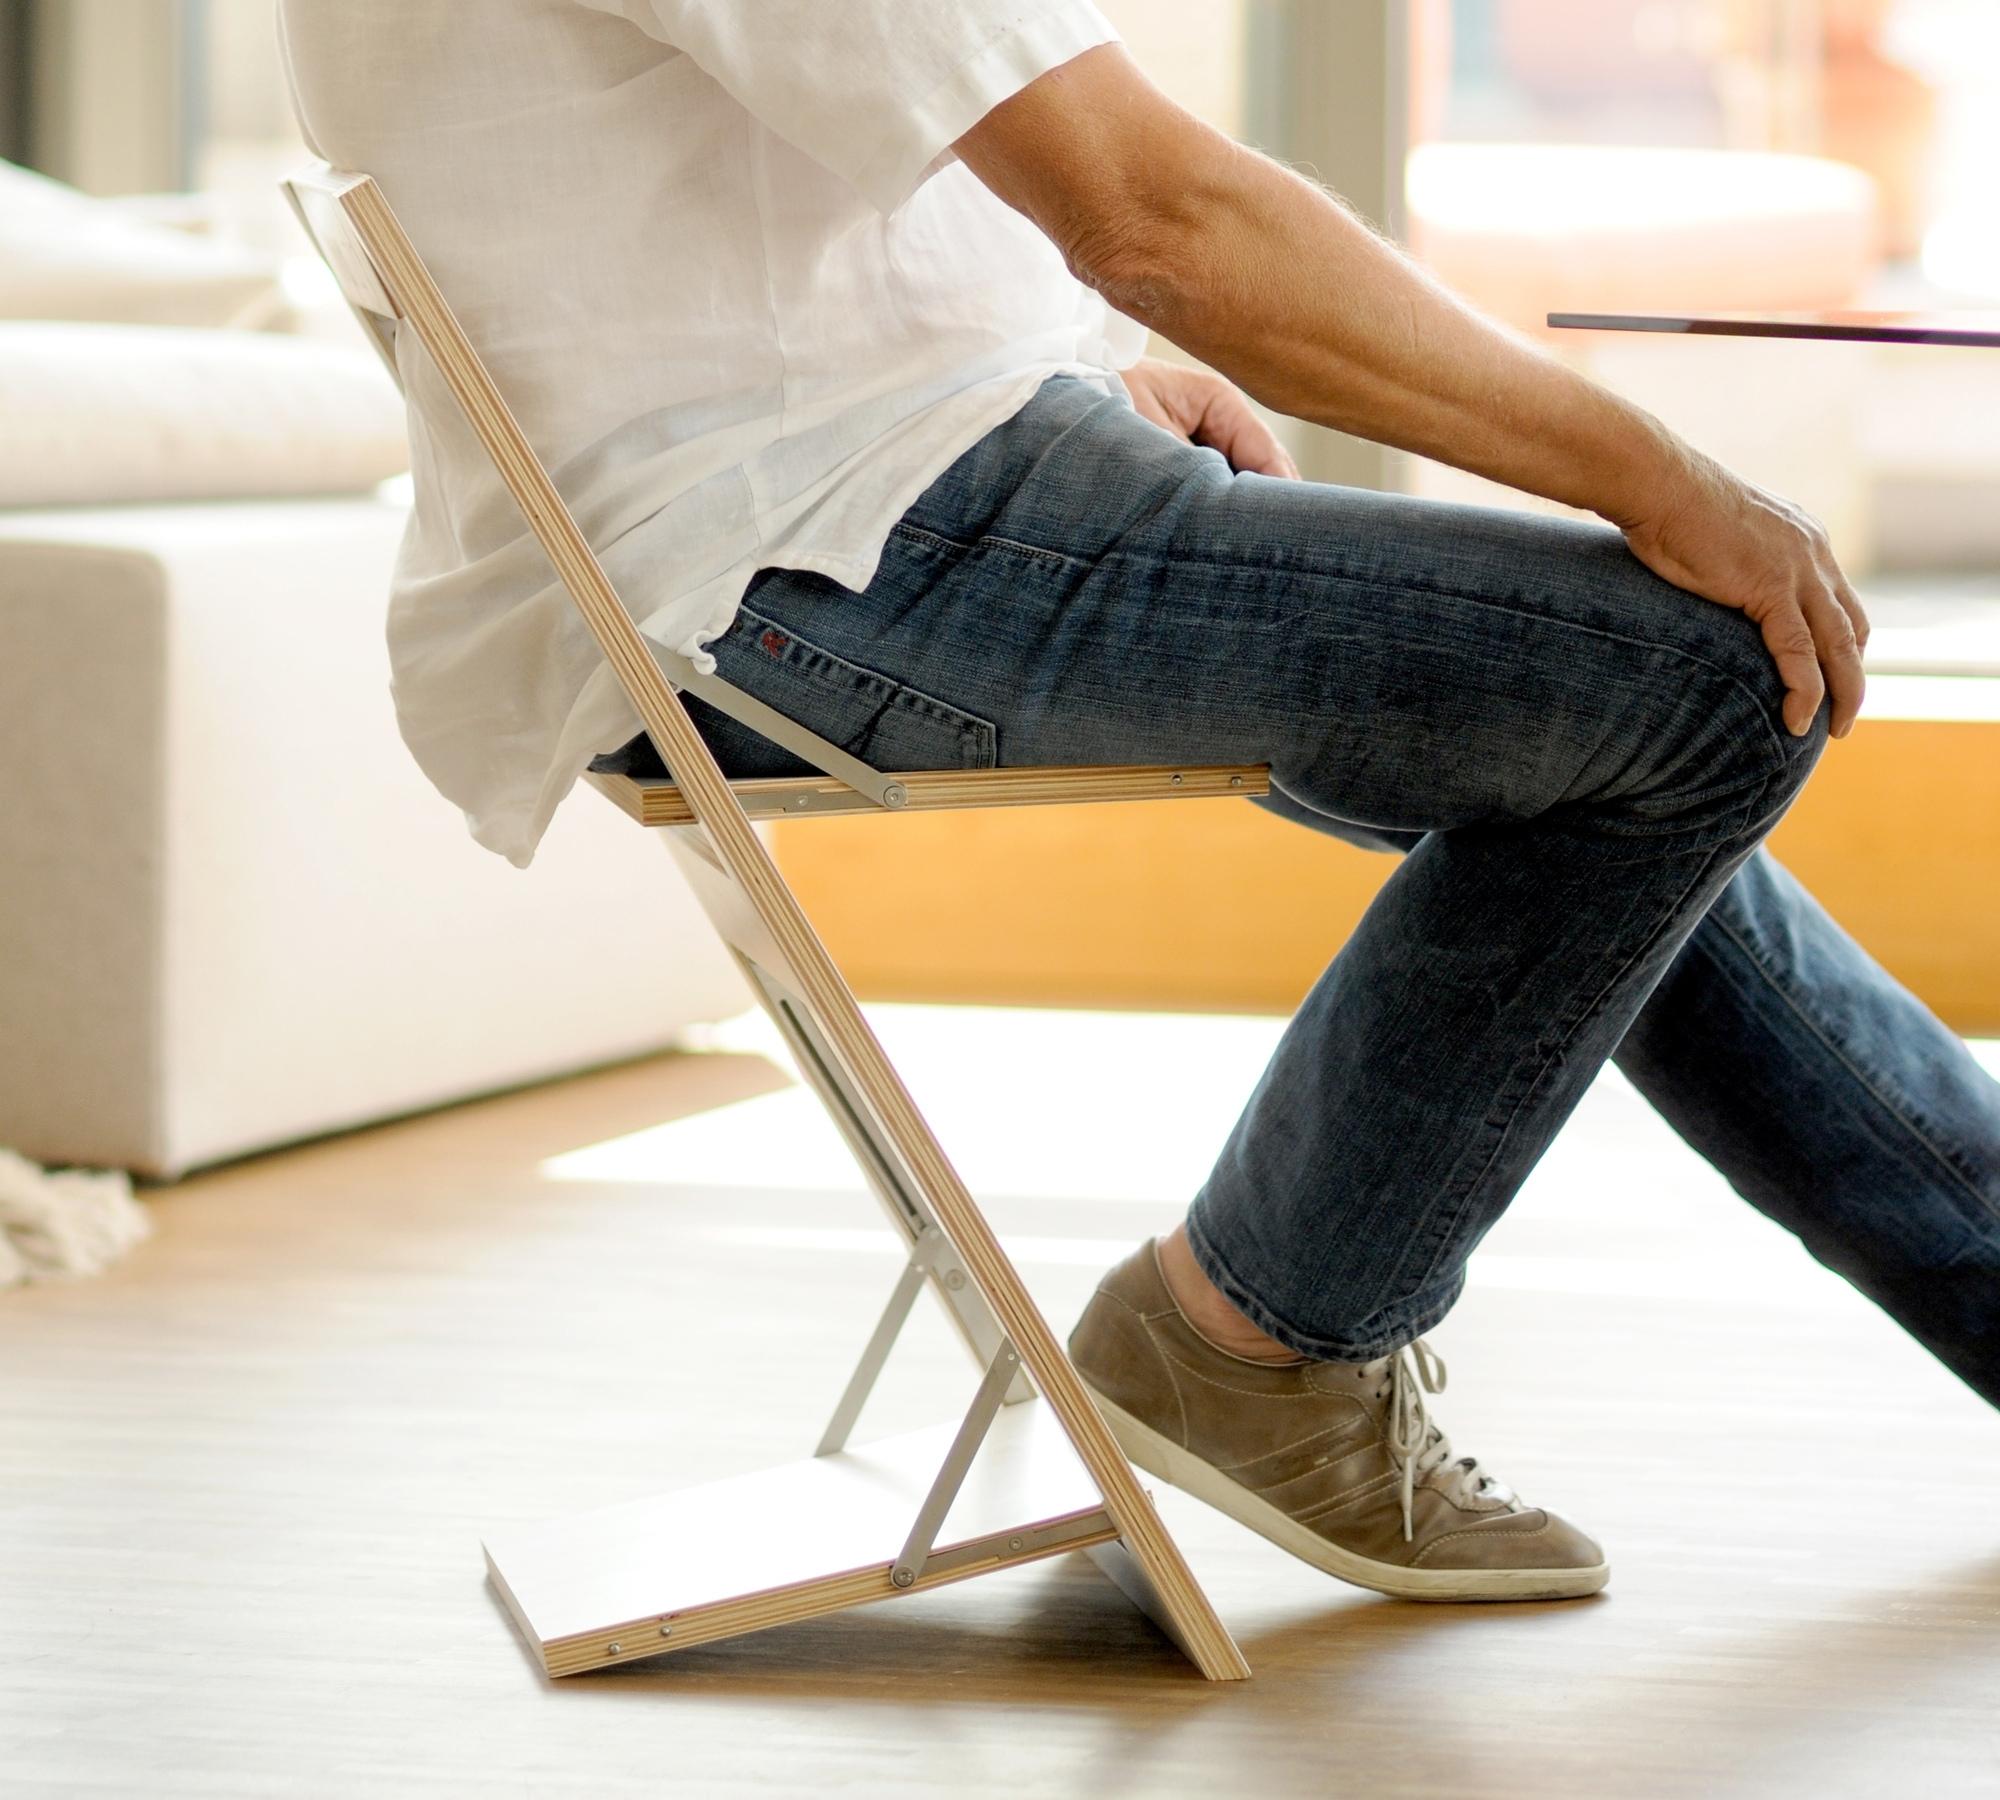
column 1272, row 281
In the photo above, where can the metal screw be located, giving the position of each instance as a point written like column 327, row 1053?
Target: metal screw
column 954, row 1279
column 1176, row 778
column 903, row 1577
column 1236, row 781
column 611, row 1649
column 666, row 1631
column 895, row 794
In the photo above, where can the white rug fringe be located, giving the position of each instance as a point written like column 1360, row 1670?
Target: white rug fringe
column 64, row 1224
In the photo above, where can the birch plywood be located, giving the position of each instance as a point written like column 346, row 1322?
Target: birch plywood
column 657, row 802
column 350, row 208
column 658, row 1574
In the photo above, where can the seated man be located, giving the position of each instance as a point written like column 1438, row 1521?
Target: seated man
column 827, row 319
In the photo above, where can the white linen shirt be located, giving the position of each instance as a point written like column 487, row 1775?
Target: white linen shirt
column 726, row 271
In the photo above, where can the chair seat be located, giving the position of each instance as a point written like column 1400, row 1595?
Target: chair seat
column 657, row 801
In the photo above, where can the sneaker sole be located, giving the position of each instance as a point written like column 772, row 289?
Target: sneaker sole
column 1148, row 1450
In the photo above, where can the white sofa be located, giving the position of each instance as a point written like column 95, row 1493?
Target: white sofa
column 233, row 914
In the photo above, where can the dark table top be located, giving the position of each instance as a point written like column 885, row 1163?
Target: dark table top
column 1975, row 328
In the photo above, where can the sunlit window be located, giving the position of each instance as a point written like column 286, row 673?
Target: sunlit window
column 1742, row 155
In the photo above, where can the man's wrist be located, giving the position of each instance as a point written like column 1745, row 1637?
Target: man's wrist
column 1644, row 468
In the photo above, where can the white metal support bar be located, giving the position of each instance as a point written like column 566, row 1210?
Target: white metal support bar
column 951, row 1474
column 861, row 1383
column 767, row 721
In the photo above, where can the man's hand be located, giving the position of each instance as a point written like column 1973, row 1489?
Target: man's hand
column 1723, row 538
column 1201, row 408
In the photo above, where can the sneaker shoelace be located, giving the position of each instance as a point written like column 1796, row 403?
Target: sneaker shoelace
column 1417, row 1445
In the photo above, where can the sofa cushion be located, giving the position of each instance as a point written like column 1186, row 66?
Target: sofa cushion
column 64, row 255
column 99, row 413
column 233, row 913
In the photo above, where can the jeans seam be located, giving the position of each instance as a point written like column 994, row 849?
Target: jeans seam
column 904, row 529
column 1329, row 572
column 1511, row 608
column 1947, row 1162
column 990, row 542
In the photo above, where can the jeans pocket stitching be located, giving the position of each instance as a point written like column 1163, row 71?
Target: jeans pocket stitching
column 976, row 734
column 936, row 540
column 933, row 540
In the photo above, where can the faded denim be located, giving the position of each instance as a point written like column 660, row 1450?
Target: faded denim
column 1578, row 762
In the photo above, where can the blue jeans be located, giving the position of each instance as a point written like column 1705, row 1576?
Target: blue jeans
column 1578, row 763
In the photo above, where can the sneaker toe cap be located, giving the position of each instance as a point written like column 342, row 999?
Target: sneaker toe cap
column 1530, row 1539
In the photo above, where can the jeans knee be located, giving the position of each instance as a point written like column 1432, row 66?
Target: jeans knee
column 1712, row 739
column 1755, row 752
column 1802, row 752
column 1752, row 704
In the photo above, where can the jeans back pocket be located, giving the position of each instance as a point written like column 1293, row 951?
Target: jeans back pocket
column 886, row 722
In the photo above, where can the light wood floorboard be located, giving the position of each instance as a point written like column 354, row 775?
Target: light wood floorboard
column 244, row 1476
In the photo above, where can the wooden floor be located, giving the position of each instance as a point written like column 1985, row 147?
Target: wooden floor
column 244, row 1476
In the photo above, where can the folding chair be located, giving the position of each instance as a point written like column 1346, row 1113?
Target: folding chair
column 1021, row 1477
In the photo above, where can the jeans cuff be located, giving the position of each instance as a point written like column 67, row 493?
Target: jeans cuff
column 1385, row 1331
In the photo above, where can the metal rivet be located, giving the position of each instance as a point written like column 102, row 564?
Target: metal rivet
column 666, row 1631
column 903, row 1577
column 954, row 1279
column 1236, row 781
column 611, row 1649
column 1177, row 779
column 1013, row 1543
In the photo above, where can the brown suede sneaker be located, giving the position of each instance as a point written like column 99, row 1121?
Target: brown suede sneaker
column 1338, row 1463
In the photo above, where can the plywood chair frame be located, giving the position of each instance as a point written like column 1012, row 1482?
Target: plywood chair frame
column 1032, row 1470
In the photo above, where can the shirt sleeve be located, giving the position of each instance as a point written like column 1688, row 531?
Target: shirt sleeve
column 875, row 90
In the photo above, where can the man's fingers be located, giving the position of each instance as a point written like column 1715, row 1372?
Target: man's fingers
column 1762, row 555
column 1839, row 654
column 1857, row 614
column 1230, row 424
column 1273, row 461
column 1147, row 405
column 1840, row 624
column 1269, row 459
column 1813, row 642
column 1199, row 407
column 1793, row 648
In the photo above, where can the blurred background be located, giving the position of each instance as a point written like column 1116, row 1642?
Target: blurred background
column 1539, row 154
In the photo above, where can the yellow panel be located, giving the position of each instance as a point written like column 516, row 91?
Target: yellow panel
column 1898, row 833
